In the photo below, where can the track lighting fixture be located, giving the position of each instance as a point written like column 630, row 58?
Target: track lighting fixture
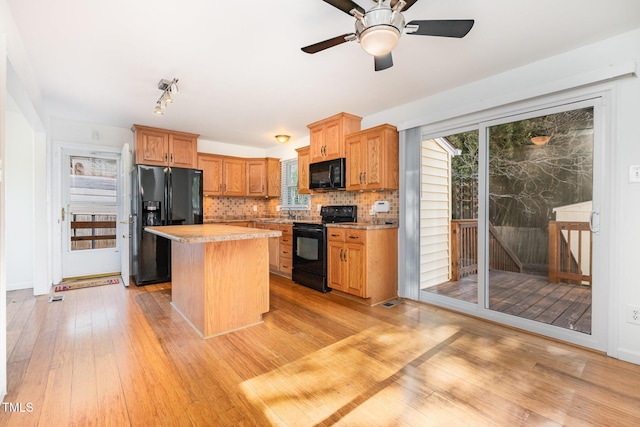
column 169, row 88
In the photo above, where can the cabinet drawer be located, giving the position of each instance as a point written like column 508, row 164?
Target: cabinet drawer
column 286, row 251
column 335, row 234
column 355, row 236
column 285, row 265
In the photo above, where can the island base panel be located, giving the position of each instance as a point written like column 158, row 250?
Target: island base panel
column 220, row 286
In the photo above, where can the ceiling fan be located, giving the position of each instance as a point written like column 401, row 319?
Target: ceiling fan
column 379, row 28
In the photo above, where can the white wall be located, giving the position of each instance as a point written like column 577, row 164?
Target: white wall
column 19, row 182
column 595, row 63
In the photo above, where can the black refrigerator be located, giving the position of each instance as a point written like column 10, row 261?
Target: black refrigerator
column 160, row 196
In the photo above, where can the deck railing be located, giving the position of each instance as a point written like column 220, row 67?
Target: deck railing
column 464, row 250
column 90, row 231
column 570, row 250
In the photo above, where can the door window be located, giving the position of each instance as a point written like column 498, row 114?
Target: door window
column 92, row 203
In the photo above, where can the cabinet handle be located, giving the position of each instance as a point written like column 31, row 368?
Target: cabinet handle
column 263, row 188
column 345, row 255
column 171, row 157
column 364, row 176
column 354, row 237
column 166, row 157
column 335, row 235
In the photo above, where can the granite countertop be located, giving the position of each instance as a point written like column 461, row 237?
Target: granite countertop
column 364, row 225
column 203, row 233
column 263, row 220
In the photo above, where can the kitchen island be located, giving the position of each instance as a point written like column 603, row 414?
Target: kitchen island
column 219, row 275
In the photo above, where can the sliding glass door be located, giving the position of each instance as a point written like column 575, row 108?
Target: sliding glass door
column 509, row 221
column 540, row 202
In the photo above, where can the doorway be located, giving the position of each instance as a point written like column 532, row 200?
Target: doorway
column 89, row 210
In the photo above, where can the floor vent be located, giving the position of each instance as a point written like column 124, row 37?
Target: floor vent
column 55, row 298
column 391, row 303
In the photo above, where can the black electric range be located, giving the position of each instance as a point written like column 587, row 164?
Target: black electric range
column 310, row 246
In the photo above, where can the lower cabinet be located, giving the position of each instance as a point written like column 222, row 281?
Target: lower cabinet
column 363, row 263
column 286, row 250
column 280, row 248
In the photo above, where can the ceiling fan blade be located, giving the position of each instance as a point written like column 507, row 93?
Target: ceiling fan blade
column 383, row 62
column 441, row 28
column 407, row 6
column 345, row 5
column 326, row 44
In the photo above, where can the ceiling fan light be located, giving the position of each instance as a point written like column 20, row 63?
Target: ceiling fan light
column 379, row 40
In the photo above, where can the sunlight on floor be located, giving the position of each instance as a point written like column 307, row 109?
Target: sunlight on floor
column 340, row 377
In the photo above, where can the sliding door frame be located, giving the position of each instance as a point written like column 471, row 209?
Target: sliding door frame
column 604, row 293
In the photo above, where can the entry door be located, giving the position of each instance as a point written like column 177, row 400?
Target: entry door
column 540, row 220
column 90, row 193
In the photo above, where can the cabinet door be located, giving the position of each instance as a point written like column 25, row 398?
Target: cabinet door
column 336, row 266
column 355, row 256
column 333, row 143
column 256, row 177
column 316, row 138
column 355, row 155
column 373, row 158
column 233, row 179
column 212, row 175
column 274, row 180
column 303, row 171
column 183, row 151
column 152, row 147
column 274, row 250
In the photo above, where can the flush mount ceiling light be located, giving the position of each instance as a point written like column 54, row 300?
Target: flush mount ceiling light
column 169, row 89
column 283, row 139
column 540, row 140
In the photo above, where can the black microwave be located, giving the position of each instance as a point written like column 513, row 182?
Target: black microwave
column 328, row 175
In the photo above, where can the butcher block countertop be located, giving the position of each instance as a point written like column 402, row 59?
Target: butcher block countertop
column 204, row 233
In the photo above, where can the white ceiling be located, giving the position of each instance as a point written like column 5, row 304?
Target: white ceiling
column 243, row 77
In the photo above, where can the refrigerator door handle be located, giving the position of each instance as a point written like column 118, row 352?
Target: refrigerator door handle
column 169, row 197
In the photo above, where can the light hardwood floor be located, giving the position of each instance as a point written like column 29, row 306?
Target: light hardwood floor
column 118, row 356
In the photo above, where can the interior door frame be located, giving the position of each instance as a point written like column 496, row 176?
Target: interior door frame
column 602, row 96
column 57, row 195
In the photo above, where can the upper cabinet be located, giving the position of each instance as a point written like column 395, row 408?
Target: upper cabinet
column 327, row 136
column 303, row 170
column 372, row 159
column 237, row 176
column 161, row 147
column 222, row 176
column 263, row 177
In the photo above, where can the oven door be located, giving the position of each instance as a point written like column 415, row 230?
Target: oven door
column 309, row 258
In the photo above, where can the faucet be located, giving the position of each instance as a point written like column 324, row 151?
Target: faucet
column 290, row 214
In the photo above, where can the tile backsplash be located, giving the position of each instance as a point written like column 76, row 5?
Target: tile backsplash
column 220, row 207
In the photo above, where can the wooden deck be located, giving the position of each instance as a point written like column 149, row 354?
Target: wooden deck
column 528, row 296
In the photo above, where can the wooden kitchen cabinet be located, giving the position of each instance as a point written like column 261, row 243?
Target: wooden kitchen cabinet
column 161, row 147
column 222, row 175
column 327, row 136
column 280, row 248
column 263, row 177
column 274, row 246
column 372, row 159
column 363, row 263
column 286, row 250
column 303, row 170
